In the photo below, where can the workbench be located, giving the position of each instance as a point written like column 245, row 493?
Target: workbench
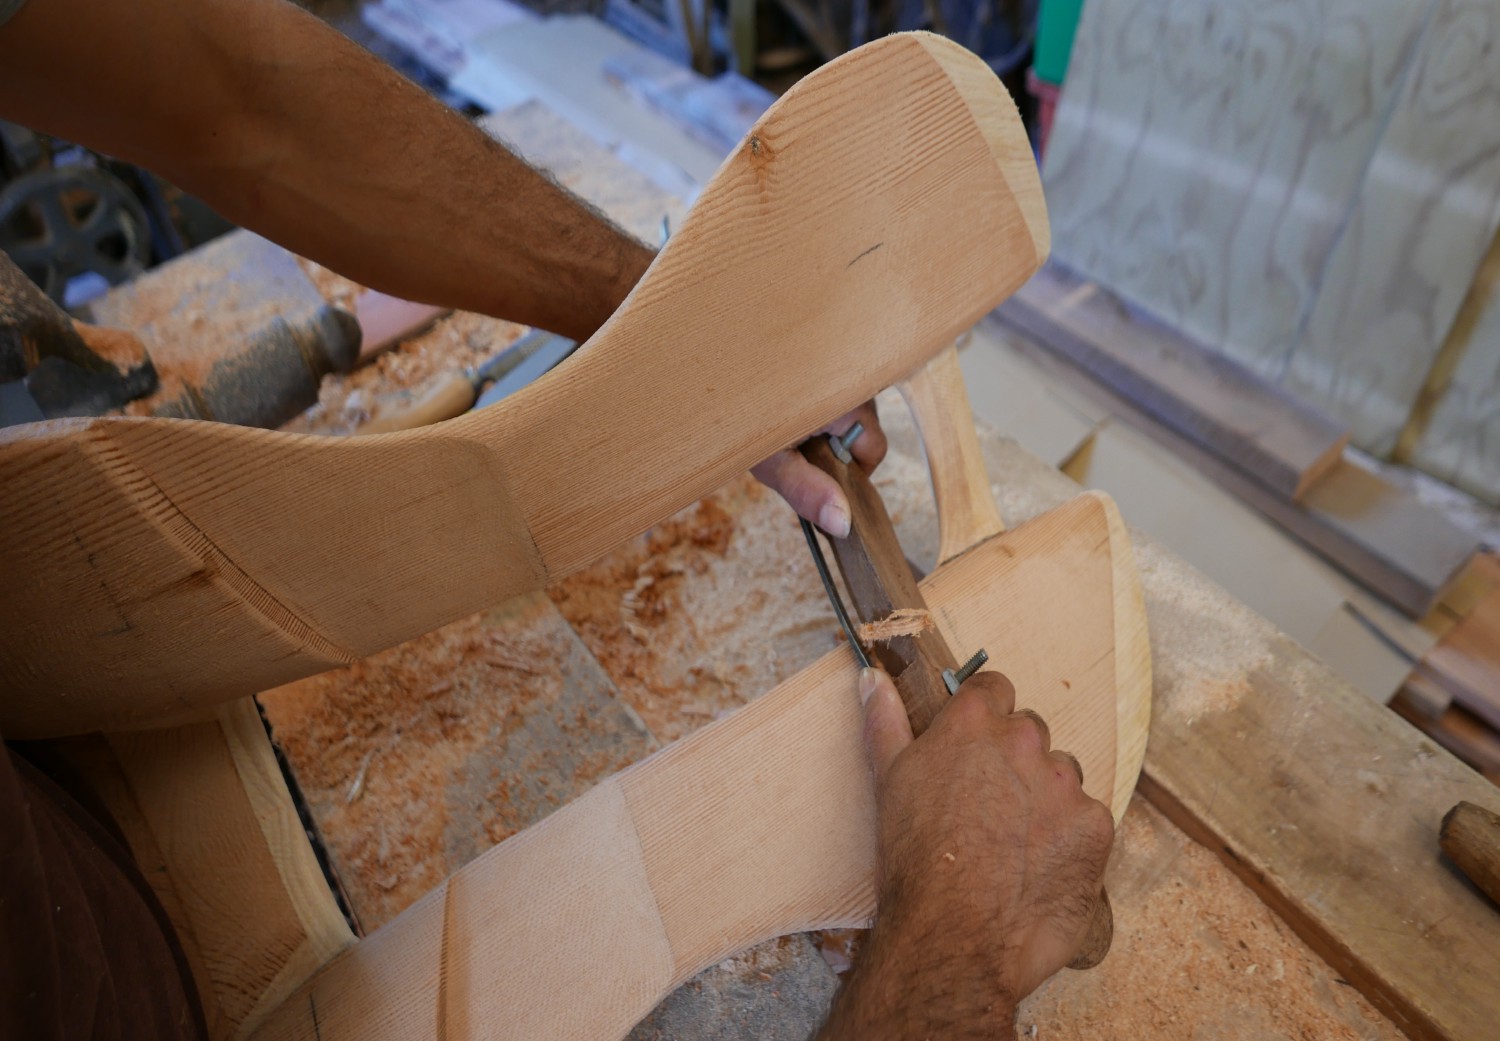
column 417, row 759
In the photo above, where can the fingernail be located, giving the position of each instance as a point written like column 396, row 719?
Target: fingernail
column 833, row 519
column 869, row 679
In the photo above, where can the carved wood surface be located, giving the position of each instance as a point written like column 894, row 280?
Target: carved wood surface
column 874, row 213
column 758, row 825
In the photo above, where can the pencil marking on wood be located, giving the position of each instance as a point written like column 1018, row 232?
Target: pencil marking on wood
column 863, row 255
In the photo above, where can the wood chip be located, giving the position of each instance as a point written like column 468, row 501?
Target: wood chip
column 904, row 621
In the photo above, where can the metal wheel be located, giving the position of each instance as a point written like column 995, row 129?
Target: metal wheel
column 62, row 222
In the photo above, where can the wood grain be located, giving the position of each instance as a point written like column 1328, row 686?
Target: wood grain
column 760, row 824
column 876, row 211
column 939, row 404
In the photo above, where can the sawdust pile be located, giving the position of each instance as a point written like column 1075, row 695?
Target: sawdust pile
column 1196, row 955
column 705, row 612
column 407, row 758
column 400, row 376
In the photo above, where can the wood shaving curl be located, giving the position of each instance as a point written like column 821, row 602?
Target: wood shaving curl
column 904, row 621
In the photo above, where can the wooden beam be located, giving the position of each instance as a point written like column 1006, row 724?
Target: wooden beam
column 1404, row 551
column 875, row 212
column 758, row 825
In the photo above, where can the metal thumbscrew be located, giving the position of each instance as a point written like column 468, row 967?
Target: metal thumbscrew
column 840, row 445
column 952, row 680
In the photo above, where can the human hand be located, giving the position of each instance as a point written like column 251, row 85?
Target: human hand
column 991, row 866
column 811, row 492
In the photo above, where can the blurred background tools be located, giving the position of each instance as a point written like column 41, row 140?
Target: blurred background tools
column 452, row 395
column 238, row 332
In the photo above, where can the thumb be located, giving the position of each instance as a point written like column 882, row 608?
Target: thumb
column 887, row 730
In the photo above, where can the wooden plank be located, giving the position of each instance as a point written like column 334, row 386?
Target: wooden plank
column 759, row 824
column 199, row 562
column 1324, row 802
column 385, row 321
column 1243, row 419
column 1375, row 532
column 1466, row 661
column 1185, row 511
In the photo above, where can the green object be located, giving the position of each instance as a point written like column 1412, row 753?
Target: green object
column 1056, row 22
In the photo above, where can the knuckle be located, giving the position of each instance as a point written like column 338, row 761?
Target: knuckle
column 995, row 687
column 1074, row 769
column 1026, row 732
column 967, row 711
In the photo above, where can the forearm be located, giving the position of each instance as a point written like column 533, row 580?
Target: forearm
column 290, row 129
column 900, row 994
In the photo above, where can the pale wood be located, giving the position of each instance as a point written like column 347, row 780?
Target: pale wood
column 208, row 817
column 876, row 211
column 760, row 824
column 939, row 404
column 446, row 397
column 1466, row 661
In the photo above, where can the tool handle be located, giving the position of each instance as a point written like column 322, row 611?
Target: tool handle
column 880, row 581
column 446, row 397
column 1470, row 835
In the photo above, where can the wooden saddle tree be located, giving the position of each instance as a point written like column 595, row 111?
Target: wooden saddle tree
column 873, row 214
column 155, row 567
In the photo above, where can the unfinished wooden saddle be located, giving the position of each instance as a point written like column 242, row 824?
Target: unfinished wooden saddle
column 156, row 566
column 874, row 213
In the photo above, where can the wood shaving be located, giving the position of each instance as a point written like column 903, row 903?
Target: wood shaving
column 904, row 621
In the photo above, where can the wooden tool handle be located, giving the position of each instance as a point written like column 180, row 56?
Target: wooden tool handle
column 1470, row 835
column 880, row 581
column 445, row 398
